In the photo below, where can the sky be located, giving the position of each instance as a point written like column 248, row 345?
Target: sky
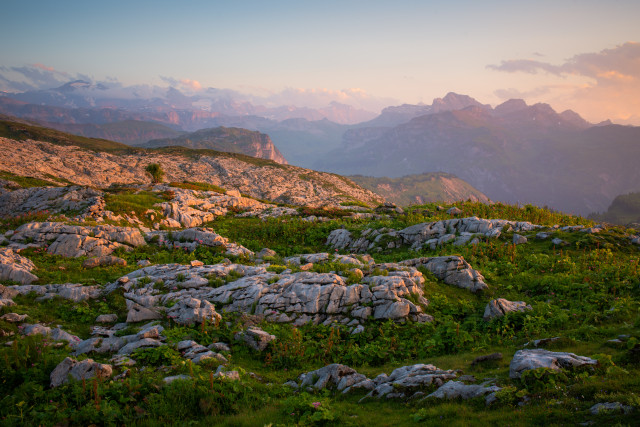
column 582, row 55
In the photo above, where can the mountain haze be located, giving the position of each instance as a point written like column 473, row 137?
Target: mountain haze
column 513, row 153
column 421, row 189
column 232, row 140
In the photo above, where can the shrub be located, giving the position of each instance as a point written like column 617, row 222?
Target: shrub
column 156, row 172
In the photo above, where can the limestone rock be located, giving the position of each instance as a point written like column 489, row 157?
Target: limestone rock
column 457, row 389
column 261, row 181
column 453, row 270
column 610, row 407
column 518, row 239
column 14, row 317
column 75, row 240
column 188, row 311
column 107, row 318
column 56, row 334
column 15, row 267
column 329, row 375
column 85, row 369
column 104, row 261
column 499, row 307
column 72, row 291
column 255, row 338
column 538, row 358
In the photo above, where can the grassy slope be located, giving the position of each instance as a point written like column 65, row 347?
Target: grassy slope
column 624, row 209
column 420, row 188
column 586, row 293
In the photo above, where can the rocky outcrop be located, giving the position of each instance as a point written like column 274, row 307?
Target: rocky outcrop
column 255, row 338
column 51, row 199
column 191, row 238
column 15, row 267
column 452, row 270
column 426, row 235
column 197, row 353
column 404, row 382
column 499, row 307
column 525, row 360
column 78, row 371
column 55, row 334
column 104, row 261
column 260, row 179
column 297, row 297
column 72, row 291
column 76, row 240
column 459, row 390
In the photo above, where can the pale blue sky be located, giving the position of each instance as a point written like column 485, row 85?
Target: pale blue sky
column 411, row 51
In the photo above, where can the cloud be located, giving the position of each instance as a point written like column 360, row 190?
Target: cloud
column 600, row 85
column 322, row 97
column 526, row 66
column 191, row 84
column 31, row 77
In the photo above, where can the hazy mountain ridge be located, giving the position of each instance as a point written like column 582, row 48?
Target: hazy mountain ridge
column 233, row 140
column 624, row 210
column 420, row 189
column 515, row 153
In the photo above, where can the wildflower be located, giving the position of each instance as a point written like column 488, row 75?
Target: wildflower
column 316, row 404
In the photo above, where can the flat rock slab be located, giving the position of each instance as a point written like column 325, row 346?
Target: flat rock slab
column 525, row 360
column 499, row 307
column 76, row 240
column 458, row 389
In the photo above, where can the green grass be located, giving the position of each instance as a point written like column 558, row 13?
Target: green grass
column 22, row 132
column 28, row 181
column 587, row 293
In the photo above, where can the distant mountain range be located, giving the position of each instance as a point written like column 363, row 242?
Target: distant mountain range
column 513, row 152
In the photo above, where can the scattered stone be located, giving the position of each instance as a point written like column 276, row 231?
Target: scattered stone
column 458, row 389
column 559, row 242
column 499, row 307
column 266, row 252
column 143, row 263
column 220, row 347
column 85, row 369
column 519, row 240
column 104, row 261
column 610, row 407
column 255, row 338
column 196, row 263
column 454, row 211
column 55, row 334
column 107, row 318
column 525, row 360
column 14, row 317
column 72, row 291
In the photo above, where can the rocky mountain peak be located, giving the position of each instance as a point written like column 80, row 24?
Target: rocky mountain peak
column 453, row 101
column 510, row 106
